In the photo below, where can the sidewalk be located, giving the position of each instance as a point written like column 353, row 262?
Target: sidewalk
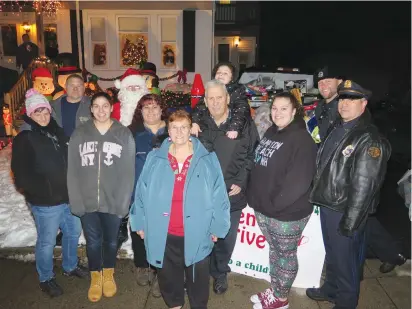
column 19, row 290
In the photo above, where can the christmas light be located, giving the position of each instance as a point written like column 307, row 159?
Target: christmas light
column 11, row 6
column 134, row 54
column 47, row 7
column 175, row 99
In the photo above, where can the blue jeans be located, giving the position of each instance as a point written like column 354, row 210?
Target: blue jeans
column 48, row 220
column 101, row 231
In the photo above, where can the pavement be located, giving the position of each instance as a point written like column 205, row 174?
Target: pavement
column 19, row 289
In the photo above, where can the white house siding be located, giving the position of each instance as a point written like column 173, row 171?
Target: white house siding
column 204, row 41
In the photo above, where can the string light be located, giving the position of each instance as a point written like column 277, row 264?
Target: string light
column 47, row 7
column 14, row 7
column 175, row 99
column 134, row 54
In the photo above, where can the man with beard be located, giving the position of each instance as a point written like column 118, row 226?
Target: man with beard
column 132, row 87
column 327, row 110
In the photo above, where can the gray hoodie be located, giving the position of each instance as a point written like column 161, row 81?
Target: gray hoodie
column 101, row 169
column 83, row 113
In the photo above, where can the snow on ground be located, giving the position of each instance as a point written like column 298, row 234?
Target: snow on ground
column 17, row 227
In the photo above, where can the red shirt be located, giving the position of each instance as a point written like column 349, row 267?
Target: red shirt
column 176, row 226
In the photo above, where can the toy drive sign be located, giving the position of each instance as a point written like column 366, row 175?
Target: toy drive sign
column 251, row 254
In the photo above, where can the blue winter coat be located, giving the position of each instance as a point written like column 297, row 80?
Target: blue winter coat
column 145, row 141
column 206, row 208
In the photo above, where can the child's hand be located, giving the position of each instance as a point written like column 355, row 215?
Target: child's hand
column 195, row 129
column 232, row 134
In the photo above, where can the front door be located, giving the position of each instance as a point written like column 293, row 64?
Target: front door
column 8, row 46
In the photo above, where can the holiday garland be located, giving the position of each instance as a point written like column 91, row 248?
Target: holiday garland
column 180, row 74
column 175, row 99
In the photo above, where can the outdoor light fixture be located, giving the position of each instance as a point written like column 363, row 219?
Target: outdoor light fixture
column 237, row 41
column 26, row 27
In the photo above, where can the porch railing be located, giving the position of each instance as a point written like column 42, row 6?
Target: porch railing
column 16, row 96
column 225, row 14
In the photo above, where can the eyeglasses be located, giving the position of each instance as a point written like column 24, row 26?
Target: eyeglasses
column 183, row 129
column 133, row 88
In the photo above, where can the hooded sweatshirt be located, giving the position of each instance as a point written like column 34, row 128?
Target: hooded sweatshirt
column 101, row 169
column 285, row 164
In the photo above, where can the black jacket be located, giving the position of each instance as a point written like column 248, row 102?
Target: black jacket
column 350, row 178
column 285, row 164
column 235, row 156
column 238, row 104
column 326, row 114
column 39, row 164
column 26, row 52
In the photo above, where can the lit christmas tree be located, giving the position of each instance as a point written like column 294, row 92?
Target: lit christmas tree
column 134, row 54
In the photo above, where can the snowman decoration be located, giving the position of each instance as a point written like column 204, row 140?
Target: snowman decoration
column 43, row 82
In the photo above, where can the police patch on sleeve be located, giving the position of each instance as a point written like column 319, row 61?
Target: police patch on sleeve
column 348, row 151
column 374, row 152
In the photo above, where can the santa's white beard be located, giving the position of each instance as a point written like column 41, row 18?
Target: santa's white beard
column 128, row 103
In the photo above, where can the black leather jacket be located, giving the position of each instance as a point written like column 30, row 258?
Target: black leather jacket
column 350, row 178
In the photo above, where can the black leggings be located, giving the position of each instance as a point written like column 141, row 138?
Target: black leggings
column 172, row 277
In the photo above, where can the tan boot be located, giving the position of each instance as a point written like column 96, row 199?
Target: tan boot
column 95, row 290
column 109, row 285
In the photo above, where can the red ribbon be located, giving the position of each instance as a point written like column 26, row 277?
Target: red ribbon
column 182, row 76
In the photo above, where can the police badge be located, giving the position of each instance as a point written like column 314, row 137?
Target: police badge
column 348, row 151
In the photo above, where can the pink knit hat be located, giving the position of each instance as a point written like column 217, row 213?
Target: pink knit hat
column 35, row 100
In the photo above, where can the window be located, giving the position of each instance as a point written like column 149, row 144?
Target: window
column 168, row 34
column 9, row 40
column 98, row 41
column 133, row 38
column 223, row 52
column 50, row 41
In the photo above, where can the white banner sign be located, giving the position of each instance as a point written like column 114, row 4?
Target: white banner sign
column 251, row 254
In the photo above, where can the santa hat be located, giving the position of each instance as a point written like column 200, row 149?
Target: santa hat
column 42, row 73
column 131, row 77
column 35, row 100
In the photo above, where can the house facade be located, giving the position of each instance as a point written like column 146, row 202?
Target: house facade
column 236, row 36
column 175, row 35
column 14, row 24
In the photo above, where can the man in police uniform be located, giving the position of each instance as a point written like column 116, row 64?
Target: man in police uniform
column 351, row 166
column 327, row 110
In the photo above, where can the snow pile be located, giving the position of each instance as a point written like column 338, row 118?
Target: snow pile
column 17, row 228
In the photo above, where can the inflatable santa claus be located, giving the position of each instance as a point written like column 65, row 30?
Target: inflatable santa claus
column 132, row 86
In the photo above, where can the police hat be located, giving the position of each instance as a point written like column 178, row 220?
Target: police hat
column 325, row 72
column 352, row 90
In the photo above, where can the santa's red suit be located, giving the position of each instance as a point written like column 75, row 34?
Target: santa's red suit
column 123, row 110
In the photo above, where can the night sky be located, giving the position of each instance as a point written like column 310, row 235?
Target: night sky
column 370, row 42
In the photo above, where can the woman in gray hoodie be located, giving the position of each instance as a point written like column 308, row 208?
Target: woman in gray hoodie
column 100, row 182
